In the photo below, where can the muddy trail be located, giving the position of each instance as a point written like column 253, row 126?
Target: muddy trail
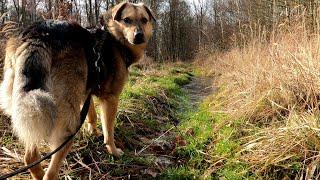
column 199, row 88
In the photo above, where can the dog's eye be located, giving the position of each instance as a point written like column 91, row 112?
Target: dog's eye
column 144, row 20
column 127, row 20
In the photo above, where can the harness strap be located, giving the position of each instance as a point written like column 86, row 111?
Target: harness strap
column 83, row 114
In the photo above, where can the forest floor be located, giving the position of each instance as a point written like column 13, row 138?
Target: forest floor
column 163, row 126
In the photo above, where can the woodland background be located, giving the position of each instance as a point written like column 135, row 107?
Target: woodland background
column 183, row 27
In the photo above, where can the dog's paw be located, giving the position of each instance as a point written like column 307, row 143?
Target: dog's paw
column 114, row 151
column 96, row 133
column 92, row 130
column 38, row 175
column 50, row 177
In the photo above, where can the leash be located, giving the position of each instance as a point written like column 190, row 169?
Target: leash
column 83, row 114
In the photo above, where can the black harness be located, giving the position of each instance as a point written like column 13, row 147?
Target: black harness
column 95, row 61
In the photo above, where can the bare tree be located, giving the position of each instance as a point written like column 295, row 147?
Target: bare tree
column 200, row 9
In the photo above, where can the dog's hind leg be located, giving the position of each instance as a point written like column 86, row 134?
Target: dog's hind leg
column 56, row 161
column 92, row 120
column 32, row 155
column 109, row 106
column 66, row 124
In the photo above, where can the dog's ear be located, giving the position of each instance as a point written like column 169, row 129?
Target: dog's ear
column 150, row 13
column 117, row 10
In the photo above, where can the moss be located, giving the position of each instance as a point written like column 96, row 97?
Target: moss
column 180, row 172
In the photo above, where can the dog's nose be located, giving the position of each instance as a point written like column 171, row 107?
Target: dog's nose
column 138, row 37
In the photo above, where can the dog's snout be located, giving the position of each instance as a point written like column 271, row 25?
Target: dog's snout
column 138, row 36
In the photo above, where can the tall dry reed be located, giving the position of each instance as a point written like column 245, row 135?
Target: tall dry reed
column 275, row 87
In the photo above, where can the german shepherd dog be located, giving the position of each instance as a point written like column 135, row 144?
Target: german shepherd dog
column 48, row 75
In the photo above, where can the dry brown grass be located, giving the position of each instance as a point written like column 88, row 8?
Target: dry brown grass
column 276, row 88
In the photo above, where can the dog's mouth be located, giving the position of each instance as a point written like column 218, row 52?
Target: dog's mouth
column 138, row 41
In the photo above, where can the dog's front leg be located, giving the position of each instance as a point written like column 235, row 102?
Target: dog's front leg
column 109, row 106
column 92, row 120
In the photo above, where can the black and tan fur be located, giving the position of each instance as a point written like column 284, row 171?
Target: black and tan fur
column 124, row 52
column 49, row 70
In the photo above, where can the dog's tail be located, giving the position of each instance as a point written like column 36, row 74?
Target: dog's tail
column 33, row 107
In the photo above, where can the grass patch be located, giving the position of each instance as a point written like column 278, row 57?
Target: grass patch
column 181, row 172
column 194, row 134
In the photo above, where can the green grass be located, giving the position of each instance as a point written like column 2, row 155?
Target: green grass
column 7, row 140
column 225, row 147
column 196, row 129
column 181, row 172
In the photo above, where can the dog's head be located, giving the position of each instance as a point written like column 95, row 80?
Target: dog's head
column 130, row 22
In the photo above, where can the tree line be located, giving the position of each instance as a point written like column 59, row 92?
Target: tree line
column 183, row 28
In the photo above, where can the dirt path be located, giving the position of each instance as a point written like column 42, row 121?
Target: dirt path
column 164, row 146
column 199, row 88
